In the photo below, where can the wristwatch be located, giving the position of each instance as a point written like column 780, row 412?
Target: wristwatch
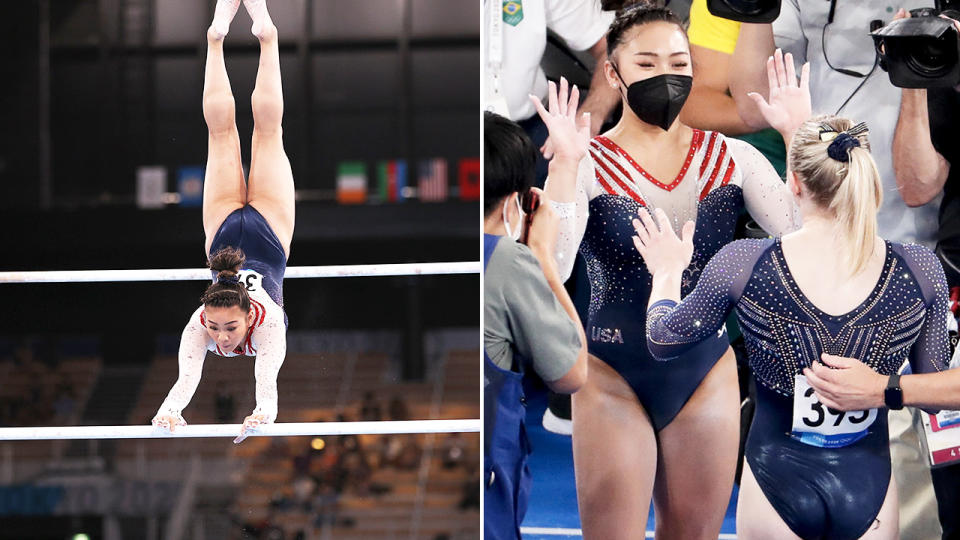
column 893, row 395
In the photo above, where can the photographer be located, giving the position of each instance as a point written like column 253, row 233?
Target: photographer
column 834, row 37
column 529, row 320
column 924, row 148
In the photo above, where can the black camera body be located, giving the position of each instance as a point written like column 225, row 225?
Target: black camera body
column 924, row 50
column 748, row 11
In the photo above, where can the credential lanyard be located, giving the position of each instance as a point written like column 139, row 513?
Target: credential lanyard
column 495, row 43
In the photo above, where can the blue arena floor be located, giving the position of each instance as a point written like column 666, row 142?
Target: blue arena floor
column 552, row 513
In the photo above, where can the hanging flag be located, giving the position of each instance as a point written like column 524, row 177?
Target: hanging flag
column 190, row 186
column 151, row 186
column 432, row 180
column 351, row 182
column 468, row 178
column 391, row 179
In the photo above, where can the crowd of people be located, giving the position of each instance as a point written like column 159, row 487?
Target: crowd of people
column 327, row 469
column 841, row 302
column 46, row 396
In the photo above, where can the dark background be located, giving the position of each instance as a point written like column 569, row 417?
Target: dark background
column 94, row 89
column 91, row 91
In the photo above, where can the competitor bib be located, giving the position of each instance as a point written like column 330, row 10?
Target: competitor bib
column 251, row 280
column 818, row 425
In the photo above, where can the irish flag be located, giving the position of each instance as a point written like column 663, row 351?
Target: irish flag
column 351, row 182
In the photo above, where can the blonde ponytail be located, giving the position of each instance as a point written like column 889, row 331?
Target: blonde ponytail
column 850, row 189
column 855, row 203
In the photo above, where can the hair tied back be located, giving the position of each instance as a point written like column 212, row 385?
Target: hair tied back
column 228, row 277
column 841, row 143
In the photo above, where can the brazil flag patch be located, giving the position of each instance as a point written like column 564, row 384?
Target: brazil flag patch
column 512, row 11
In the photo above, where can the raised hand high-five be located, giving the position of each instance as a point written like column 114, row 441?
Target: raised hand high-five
column 789, row 103
column 569, row 137
column 662, row 250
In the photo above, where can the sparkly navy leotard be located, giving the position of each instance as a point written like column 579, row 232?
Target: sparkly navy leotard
column 718, row 178
column 820, row 492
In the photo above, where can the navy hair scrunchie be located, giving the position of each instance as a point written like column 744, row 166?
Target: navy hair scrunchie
column 839, row 148
column 234, row 279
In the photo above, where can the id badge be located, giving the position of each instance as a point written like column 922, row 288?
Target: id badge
column 818, row 425
column 945, row 419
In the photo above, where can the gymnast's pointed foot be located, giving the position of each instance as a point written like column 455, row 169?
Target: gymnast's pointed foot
column 222, row 17
column 263, row 26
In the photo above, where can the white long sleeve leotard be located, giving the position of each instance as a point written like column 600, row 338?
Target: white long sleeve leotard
column 266, row 340
column 713, row 161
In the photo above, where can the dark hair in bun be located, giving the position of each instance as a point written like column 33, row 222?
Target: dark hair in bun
column 227, row 291
column 635, row 15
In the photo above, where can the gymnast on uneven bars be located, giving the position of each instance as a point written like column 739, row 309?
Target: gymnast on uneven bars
column 248, row 227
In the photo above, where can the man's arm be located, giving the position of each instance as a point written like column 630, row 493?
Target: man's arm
column 920, row 170
column 601, row 99
column 583, row 26
column 847, row 384
column 754, row 46
column 856, row 388
column 709, row 106
column 932, row 390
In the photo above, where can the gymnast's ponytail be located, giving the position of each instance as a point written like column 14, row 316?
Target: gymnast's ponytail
column 227, row 291
column 831, row 157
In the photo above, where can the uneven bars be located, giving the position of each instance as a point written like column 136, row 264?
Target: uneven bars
column 203, row 274
column 231, row 430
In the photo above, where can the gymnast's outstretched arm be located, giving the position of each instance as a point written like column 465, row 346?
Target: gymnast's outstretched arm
column 271, row 340
column 569, row 165
column 673, row 326
column 193, row 350
column 765, row 195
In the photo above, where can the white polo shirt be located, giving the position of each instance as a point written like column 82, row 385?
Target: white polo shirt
column 524, row 25
column 849, row 46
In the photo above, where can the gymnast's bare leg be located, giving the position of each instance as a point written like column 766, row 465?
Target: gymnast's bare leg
column 270, row 188
column 223, row 189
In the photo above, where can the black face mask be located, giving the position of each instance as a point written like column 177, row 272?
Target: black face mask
column 658, row 100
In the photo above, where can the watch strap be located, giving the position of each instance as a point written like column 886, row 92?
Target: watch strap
column 893, row 395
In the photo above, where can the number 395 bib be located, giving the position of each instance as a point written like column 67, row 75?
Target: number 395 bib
column 818, row 425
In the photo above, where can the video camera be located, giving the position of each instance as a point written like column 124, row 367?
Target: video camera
column 924, row 50
column 748, row 11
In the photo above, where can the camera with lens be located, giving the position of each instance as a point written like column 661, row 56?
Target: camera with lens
column 748, row 11
column 924, row 50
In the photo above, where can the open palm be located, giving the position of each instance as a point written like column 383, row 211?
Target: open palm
column 569, row 138
column 662, row 250
column 789, row 103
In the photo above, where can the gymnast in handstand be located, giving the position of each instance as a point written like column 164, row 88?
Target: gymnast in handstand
column 248, row 227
